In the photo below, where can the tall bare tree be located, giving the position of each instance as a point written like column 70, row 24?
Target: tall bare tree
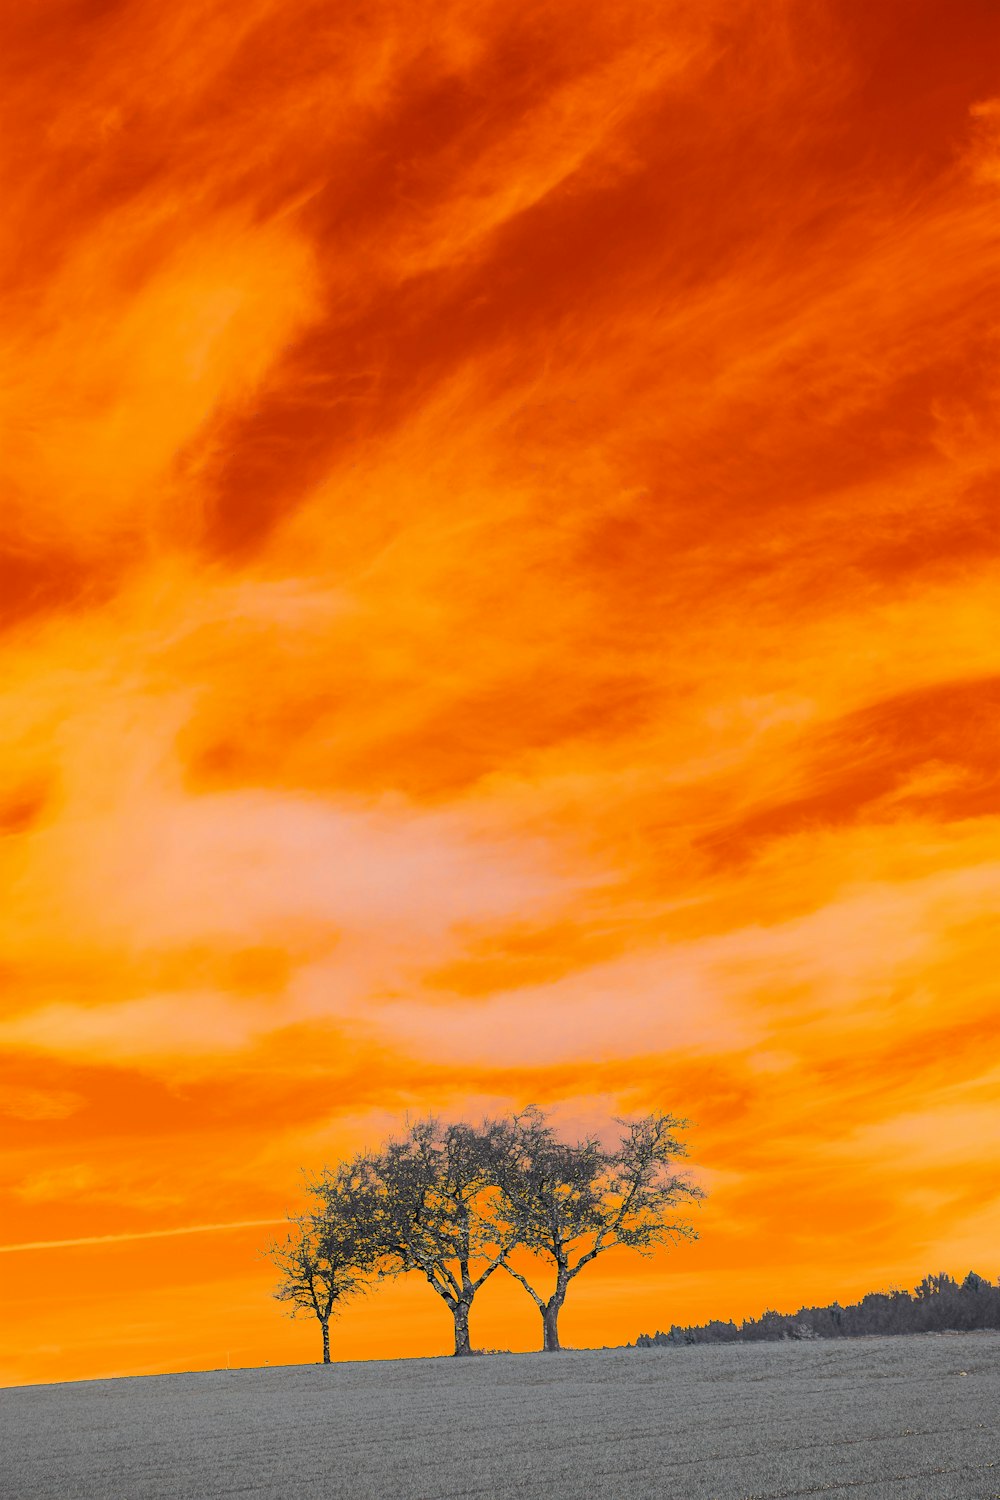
column 569, row 1204
column 437, row 1211
column 328, row 1256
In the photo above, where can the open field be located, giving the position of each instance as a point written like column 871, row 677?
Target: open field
column 872, row 1419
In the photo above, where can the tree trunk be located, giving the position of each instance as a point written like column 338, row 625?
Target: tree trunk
column 325, row 1323
column 550, row 1326
column 460, row 1312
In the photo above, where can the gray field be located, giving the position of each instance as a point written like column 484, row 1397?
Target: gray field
column 911, row 1418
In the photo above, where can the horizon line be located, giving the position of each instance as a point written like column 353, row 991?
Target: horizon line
column 138, row 1234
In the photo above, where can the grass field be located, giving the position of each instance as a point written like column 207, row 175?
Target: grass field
column 872, row 1419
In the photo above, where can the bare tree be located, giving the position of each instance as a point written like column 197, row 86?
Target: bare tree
column 437, row 1211
column 570, row 1203
column 328, row 1256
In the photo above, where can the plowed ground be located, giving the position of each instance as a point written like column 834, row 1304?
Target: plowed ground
column 912, row 1418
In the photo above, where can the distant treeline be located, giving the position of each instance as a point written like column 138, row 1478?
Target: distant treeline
column 939, row 1303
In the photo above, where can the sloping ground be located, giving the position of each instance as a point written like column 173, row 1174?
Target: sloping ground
column 873, row 1419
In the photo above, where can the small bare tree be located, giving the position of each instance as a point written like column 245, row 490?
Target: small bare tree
column 570, row 1203
column 436, row 1211
column 328, row 1256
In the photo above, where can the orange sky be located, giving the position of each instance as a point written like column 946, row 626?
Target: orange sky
column 501, row 602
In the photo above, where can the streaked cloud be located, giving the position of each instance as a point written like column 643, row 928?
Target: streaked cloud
column 151, row 1234
column 499, row 602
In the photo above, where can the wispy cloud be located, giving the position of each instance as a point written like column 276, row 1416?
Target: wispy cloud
column 498, row 601
column 143, row 1234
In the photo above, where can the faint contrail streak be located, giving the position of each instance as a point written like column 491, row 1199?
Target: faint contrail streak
column 142, row 1234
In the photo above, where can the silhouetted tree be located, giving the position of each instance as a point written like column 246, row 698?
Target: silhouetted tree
column 328, row 1256
column 434, row 1200
column 570, row 1203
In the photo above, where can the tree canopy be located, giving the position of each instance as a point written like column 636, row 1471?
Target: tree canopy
column 329, row 1255
column 433, row 1209
column 455, row 1203
column 569, row 1203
